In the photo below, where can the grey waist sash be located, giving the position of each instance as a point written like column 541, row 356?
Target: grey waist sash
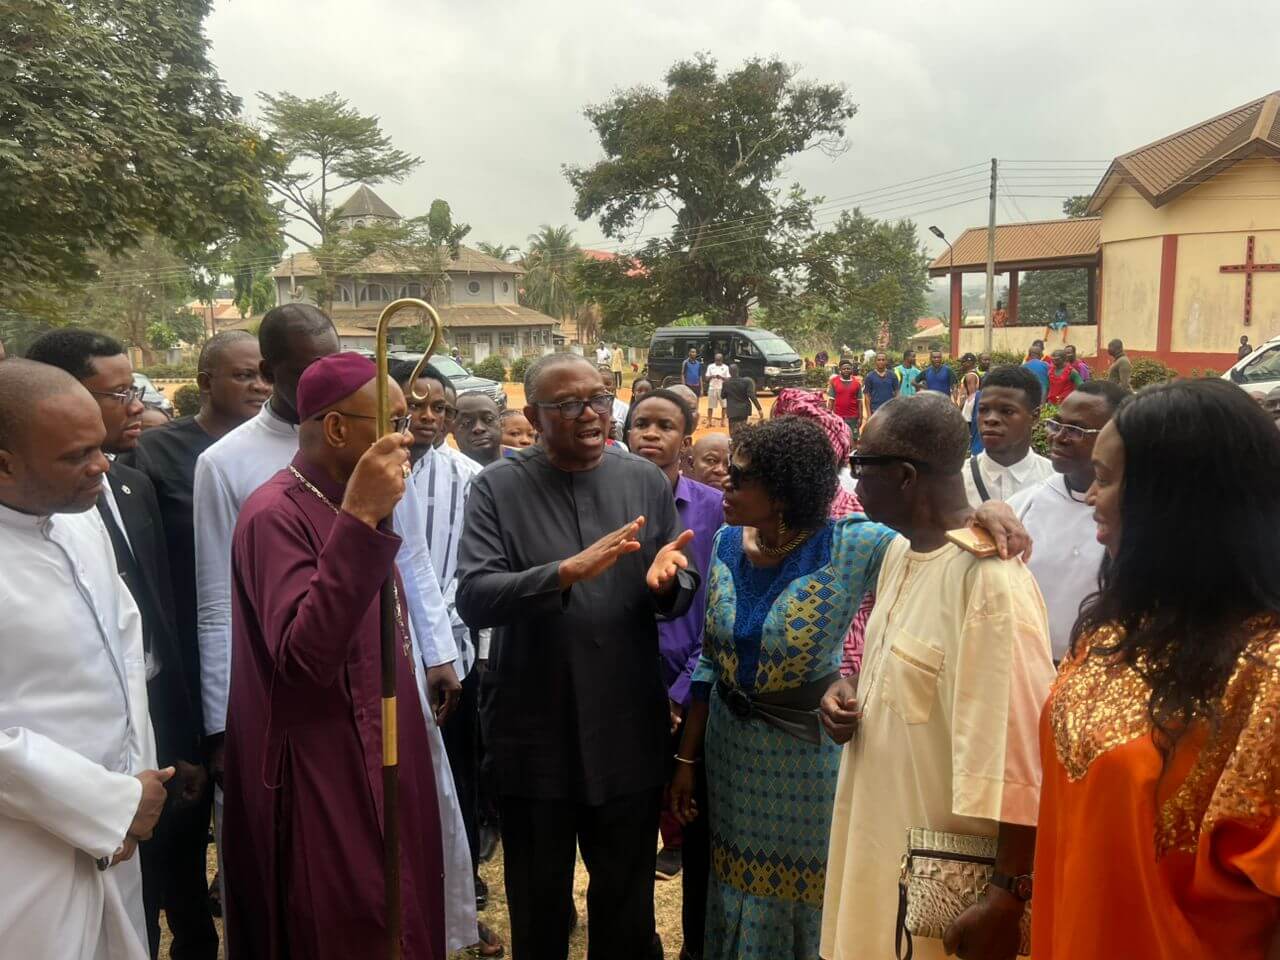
column 794, row 711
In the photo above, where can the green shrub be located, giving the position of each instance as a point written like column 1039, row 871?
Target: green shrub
column 1039, row 438
column 170, row 371
column 186, row 400
column 1147, row 371
column 518, row 368
column 491, row 368
column 817, row 377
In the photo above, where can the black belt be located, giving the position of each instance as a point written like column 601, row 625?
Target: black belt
column 794, row 711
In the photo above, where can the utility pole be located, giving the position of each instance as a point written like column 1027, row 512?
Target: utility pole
column 991, row 261
column 293, row 288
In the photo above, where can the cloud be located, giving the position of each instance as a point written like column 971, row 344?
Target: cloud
column 491, row 95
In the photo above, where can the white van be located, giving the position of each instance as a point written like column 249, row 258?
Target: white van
column 1259, row 372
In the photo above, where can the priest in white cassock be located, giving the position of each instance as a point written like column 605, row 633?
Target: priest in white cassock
column 291, row 338
column 77, row 784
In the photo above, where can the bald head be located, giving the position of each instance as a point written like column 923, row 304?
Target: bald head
column 689, row 397
column 25, row 385
column 215, row 348
column 545, row 364
column 51, row 436
column 927, row 428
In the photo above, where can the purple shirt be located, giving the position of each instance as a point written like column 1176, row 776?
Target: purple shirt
column 701, row 510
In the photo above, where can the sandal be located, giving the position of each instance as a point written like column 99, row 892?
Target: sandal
column 489, row 946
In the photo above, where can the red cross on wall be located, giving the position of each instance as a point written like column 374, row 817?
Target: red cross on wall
column 1249, row 268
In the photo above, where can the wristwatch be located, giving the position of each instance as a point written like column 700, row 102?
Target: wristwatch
column 1019, row 886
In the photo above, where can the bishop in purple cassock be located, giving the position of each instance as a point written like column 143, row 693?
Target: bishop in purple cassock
column 303, row 858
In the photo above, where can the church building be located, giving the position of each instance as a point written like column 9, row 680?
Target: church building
column 1181, row 244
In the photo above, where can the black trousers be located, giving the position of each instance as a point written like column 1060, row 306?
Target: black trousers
column 695, row 862
column 461, row 734
column 174, row 879
column 618, row 845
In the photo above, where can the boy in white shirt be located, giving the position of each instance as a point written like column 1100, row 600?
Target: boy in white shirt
column 717, row 374
column 1006, row 410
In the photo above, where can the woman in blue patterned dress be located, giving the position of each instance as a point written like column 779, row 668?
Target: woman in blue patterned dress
column 783, row 586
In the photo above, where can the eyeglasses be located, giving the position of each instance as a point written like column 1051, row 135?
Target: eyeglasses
column 125, row 397
column 601, row 403
column 740, row 475
column 860, row 460
column 398, row 424
column 1068, row 431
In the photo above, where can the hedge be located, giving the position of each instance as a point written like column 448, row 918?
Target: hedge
column 518, row 367
column 491, row 368
column 170, row 371
column 1147, row 371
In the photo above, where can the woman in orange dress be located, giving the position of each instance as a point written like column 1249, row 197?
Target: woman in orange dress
column 1158, row 835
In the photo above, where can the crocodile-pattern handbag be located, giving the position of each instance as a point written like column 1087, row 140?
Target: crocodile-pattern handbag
column 943, row 874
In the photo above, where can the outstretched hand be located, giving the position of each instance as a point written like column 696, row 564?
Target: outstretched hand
column 601, row 555
column 669, row 562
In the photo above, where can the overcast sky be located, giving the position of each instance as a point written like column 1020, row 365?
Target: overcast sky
column 491, row 95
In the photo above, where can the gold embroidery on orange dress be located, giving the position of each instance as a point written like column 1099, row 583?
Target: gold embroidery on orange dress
column 1100, row 703
column 1237, row 773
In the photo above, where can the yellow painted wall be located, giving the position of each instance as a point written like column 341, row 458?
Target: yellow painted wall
column 1208, row 305
column 1017, row 339
column 1131, row 291
column 1245, row 197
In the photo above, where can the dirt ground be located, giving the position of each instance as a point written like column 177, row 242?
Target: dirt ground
column 666, row 897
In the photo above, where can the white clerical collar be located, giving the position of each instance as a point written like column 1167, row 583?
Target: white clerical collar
column 276, row 423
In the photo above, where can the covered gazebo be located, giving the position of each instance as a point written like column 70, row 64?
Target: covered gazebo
column 1020, row 247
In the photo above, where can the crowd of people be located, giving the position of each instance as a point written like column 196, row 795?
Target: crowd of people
column 871, row 676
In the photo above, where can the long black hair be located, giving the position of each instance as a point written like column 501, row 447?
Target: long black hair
column 1200, row 516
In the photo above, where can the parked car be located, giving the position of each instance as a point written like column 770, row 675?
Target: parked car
column 460, row 377
column 152, row 395
column 1259, row 372
column 760, row 354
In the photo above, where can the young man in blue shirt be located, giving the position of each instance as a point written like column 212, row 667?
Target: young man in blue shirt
column 938, row 376
column 879, row 386
column 691, row 372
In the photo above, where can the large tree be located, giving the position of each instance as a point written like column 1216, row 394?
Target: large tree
column 114, row 125
column 708, row 150
column 870, row 277
column 327, row 146
column 550, row 264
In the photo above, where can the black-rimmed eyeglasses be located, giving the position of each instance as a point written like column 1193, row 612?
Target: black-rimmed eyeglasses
column 601, row 403
column 860, row 460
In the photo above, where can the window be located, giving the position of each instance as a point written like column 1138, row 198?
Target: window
column 506, row 287
column 507, row 339
column 662, row 349
column 342, row 294
column 473, row 287
column 461, row 340
column 1263, row 365
column 359, row 223
column 411, row 290
column 374, row 293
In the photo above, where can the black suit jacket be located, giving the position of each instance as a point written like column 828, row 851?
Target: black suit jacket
column 174, row 718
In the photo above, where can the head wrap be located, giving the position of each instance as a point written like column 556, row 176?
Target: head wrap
column 331, row 379
column 795, row 402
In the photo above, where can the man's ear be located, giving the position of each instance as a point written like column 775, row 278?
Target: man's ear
column 687, row 443
column 204, row 381
column 335, row 429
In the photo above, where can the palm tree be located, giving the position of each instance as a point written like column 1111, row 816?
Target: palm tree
column 499, row 251
column 549, row 265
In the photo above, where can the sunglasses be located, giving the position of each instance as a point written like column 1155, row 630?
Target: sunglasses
column 601, row 403
column 859, row 461
column 1068, row 431
column 740, row 475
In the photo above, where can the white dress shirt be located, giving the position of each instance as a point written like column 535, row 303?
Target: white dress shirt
column 74, row 732
column 1003, row 482
column 1067, row 555
column 226, row 474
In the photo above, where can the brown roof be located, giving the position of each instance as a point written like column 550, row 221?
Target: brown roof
column 1036, row 244
column 384, row 262
column 1171, row 166
column 365, row 203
